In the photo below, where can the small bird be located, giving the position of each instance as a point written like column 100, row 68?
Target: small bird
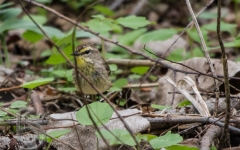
column 94, row 67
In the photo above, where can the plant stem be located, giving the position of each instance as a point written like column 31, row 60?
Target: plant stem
column 3, row 40
column 103, row 49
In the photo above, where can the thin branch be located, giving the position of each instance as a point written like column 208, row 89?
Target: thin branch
column 205, row 53
column 225, row 134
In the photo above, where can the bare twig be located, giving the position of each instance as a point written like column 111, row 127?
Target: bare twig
column 212, row 133
column 190, row 119
column 225, row 134
column 205, row 53
column 32, row 126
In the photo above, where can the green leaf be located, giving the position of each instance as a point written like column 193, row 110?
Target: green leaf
column 158, row 35
column 2, row 113
column 168, row 139
column 121, row 134
column 227, row 27
column 176, row 55
column 100, row 25
column 181, row 147
column 160, row 107
column 140, row 70
column 149, row 137
column 56, row 58
column 208, row 15
column 54, row 134
column 83, row 34
column 184, row 103
column 32, row 36
column 121, row 102
column 44, row 1
column 100, row 114
column 235, row 43
column 18, row 104
column 67, row 89
column 214, row 147
column 64, row 74
column 46, row 53
column 104, row 10
column 9, row 13
column 4, row 5
column 113, row 67
column 15, row 24
column 130, row 37
column 36, row 83
column 117, row 28
column 133, row 22
column 14, row 111
column 50, row 31
column 194, row 34
column 40, row 19
column 117, row 85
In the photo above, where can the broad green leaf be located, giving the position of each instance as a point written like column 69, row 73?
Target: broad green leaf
column 54, row 134
column 184, row 103
column 130, row 37
column 100, row 113
column 214, row 147
column 176, row 55
column 4, row 5
column 83, row 34
column 32, row 36
column 113, row 67
column 133, row 22
column 180, row 147
column 65, row 44
column 123, row 136
column 140, row 70
column 148, row 137
column 208, row 15
column 36, row 83
column 64, row 74
column 196, row 52
column 67, row 89
column 46, row 53
column 14, row 111
column 18, row 104
column 140, row 137
column 168, row 139
column 102, row 26
column 117, row 28
column 104, row 10
column 134, row 76
column 2, row 113
column 158, row 35
column 40, row 19
column 117, row 85
column 121, row 102
column 9, row 13
column 160, row 107
column 227, row 27
column 235, row 43
column 57, row 58
column 44, row 1
column 16, row 24
column 50, row 31
column 195, row 36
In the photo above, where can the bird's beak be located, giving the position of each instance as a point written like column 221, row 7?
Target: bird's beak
column 75, row 54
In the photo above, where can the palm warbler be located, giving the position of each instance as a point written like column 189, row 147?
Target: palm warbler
column 94, row 67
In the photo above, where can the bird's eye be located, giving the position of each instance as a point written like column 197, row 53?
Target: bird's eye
column 87, row 52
